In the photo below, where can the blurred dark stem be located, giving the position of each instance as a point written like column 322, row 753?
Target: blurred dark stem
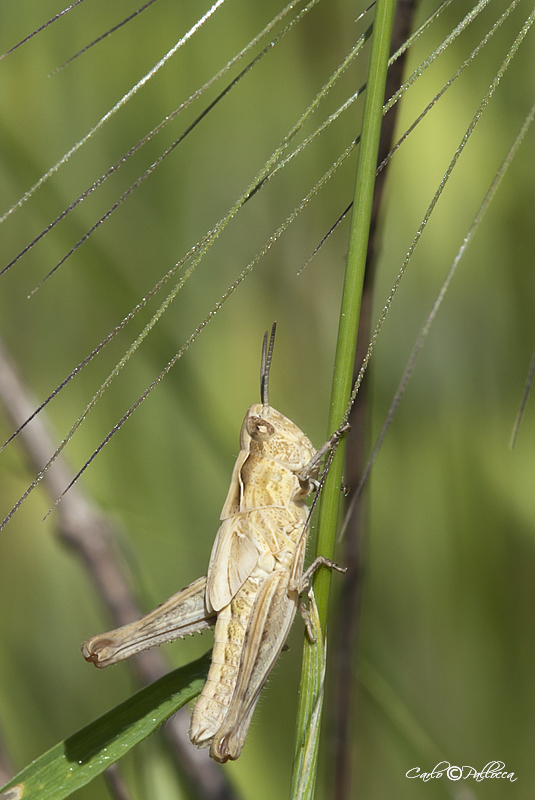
column 345, row 622
column 6, row 773
column 87, row 531
column 116, row 784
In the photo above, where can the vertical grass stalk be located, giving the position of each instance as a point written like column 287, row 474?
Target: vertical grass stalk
column 308, row 723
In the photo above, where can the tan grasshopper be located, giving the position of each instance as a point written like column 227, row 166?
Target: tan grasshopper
column 254, row 581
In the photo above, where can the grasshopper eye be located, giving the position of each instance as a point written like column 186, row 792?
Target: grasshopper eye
column 259, row 429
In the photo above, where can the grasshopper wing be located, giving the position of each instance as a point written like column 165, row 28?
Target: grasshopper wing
column 271, row 619
column 184, row 613
column 234, row 557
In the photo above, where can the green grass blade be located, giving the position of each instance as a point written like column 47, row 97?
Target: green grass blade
column 84, row 755
column 306, row 748
column 352, row 294
column 303, row 784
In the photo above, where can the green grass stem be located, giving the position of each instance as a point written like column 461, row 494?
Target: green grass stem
column 343, row 372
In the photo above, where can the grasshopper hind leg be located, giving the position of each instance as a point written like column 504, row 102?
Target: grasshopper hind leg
column 183, row 614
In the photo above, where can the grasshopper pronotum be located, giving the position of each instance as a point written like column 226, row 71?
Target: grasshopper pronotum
column 254, row 580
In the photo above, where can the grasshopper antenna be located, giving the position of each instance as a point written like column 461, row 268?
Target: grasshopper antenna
column 267, row 355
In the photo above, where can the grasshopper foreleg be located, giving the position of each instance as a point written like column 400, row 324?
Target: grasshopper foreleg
column 320, row 561
column 307, row 473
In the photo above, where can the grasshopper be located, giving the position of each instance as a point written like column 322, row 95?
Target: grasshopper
column 255, row 576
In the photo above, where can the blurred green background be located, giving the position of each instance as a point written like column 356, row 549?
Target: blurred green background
column 449, row 593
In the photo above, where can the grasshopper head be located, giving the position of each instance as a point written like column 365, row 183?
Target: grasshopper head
column 267, row 432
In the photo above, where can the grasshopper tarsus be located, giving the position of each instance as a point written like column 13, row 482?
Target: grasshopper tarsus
column 307, row 619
